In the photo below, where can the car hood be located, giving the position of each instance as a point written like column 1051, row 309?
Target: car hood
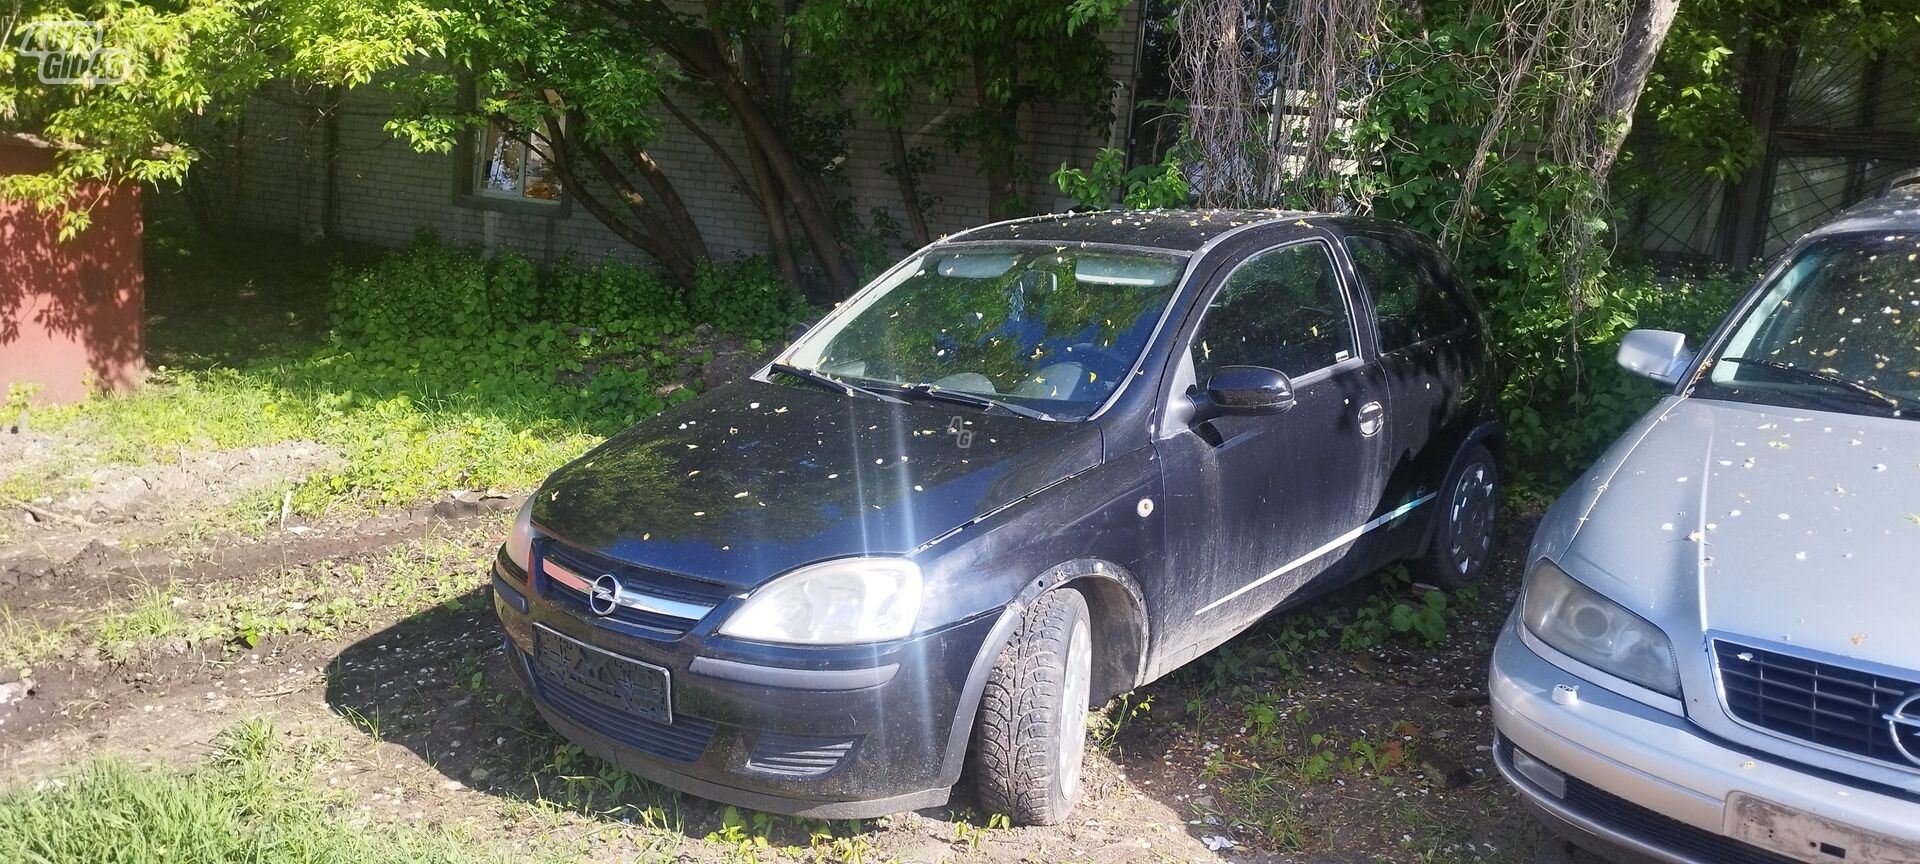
column 754, row 479
column 1786, row 525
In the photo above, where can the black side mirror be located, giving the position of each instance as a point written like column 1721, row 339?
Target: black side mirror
column 1244, row 390
column 799, row 328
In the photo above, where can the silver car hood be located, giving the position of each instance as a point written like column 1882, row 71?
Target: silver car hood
column 1788, row 526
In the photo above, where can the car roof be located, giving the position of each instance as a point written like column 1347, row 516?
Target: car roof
column 1897, row 209
column 1172, row 230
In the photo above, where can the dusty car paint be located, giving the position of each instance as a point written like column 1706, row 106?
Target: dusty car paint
column 1137, row 506
column 1763, row 535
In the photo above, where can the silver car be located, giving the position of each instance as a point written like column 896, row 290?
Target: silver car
column 1716, row 654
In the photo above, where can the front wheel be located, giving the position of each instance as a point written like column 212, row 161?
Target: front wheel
column 1464, row 529
column 1030, row 736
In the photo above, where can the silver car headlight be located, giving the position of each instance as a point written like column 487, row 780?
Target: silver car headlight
column 842, row 602
column 1580, row 623
column 520, row 539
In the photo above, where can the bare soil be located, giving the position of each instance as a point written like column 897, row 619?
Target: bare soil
column 417, row 716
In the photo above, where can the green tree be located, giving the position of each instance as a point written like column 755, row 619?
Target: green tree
column 170, row 64
column 1002, row 57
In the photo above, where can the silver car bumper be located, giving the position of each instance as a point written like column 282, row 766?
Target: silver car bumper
column 1610, row 769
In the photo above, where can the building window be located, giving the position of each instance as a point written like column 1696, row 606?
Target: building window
column 505, row 167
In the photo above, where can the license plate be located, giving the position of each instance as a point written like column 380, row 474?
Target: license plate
column 1807, row 837
column 603, row 677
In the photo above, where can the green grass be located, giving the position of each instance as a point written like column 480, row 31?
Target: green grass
column 397, row 447
column 24, row 642
column 252, row 803
column 238, row 358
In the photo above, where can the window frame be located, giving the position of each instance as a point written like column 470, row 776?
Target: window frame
column 482, row 161
column 1183, row 350
column 469, row 193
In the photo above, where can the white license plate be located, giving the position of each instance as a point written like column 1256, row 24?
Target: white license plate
column 1806, row 837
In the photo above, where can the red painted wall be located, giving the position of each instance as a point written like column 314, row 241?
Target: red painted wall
column 70, row 313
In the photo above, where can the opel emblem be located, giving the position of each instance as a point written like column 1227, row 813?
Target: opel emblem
column 1906, row 714
column 604, row 596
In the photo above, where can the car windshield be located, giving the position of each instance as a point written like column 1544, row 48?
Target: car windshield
column 1035, row 329
column 1839, row 329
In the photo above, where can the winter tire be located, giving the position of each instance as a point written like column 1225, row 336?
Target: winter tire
column 1030, row 736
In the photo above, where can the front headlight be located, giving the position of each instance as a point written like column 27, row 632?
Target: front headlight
column 841, row 602
column 520, row 540
column 1599, row 632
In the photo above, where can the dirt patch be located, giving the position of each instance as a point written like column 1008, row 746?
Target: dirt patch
column 63, row 496
column 1280, row 746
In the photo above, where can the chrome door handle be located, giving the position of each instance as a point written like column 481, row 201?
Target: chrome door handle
column 1372, row 417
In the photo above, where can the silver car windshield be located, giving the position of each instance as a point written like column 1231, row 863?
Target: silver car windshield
column 1838, row 329
column 1040, row 327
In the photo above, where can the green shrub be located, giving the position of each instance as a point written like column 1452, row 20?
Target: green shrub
column 602, row 344
column 1564, row 406
column 744, row 295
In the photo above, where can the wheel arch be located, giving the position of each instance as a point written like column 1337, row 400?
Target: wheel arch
column 1488, row 434
column 1120, row 641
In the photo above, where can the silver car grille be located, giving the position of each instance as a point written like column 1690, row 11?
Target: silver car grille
column 1830, row 705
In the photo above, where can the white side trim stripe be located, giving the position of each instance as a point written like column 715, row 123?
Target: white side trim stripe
column 1329, row 546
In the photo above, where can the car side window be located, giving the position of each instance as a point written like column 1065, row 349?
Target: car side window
column 1413, row 300
column 1281, row 309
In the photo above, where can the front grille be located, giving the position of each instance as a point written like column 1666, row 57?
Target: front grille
column 658, row 583
column 683, row 740
column 1632, row 820
column 798, row 757
column 1834, row 706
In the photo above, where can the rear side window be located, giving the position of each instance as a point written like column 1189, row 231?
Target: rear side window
column 1282, row 309
column 1413, row 296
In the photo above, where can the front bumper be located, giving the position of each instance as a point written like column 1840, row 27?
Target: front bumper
column 1636, row 778
column 828, row 733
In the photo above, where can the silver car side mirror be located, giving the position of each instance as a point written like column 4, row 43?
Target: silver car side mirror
column 1661, row 355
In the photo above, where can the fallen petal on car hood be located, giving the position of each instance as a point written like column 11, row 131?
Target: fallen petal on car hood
column 756, row 479
column 1782, row 525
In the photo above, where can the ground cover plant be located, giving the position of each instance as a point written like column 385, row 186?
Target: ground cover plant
column 431, row 368
column 253, row 802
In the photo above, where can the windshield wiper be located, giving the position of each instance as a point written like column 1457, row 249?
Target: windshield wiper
column 1853, row 387
column 822, row 379
column 961, row 397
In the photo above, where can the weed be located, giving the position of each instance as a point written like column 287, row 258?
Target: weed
column 1385, row 615
column 152, row 614
column 25, row 642
column 468, row 674
column 251, row 802
column 744, row 840
column 1107, row 737
column 367, row 725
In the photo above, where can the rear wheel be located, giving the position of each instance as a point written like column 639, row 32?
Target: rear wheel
column 1030, row 736
column 1464, row 530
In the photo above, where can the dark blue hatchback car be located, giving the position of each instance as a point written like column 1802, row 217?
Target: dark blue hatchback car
column 1034, row 465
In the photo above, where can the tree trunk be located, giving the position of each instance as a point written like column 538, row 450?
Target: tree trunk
column 995, row 144
column 778, row 235
column 1647, row 27
column 759, row 189
column 909, row 187
column 670, row 200
column 679, row 267
column 815, row 217
column 702, row 51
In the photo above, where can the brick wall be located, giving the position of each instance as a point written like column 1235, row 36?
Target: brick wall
column 386, row 192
